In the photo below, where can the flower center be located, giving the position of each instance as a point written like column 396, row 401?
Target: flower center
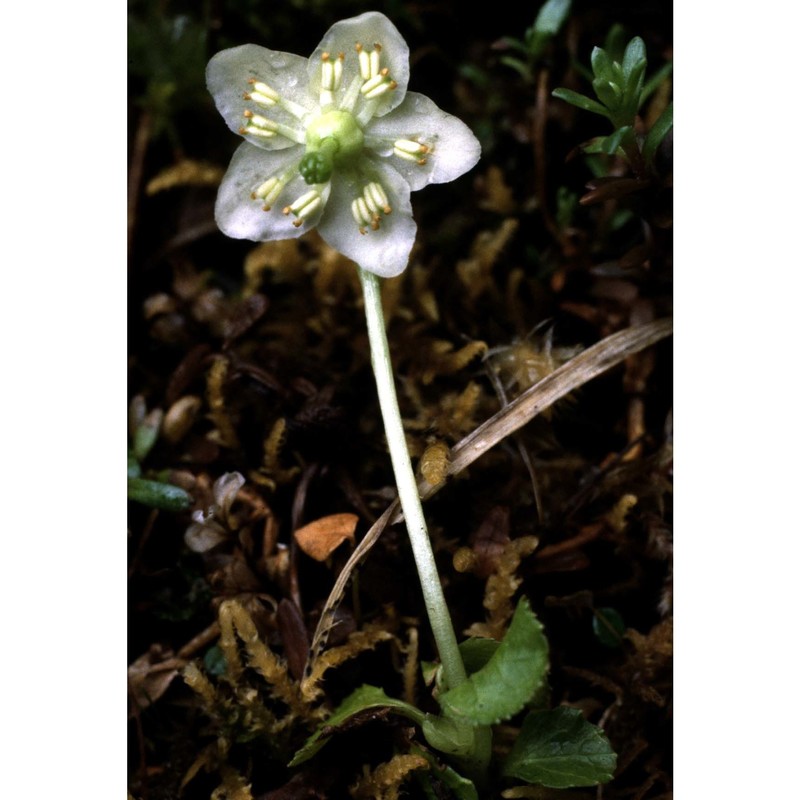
column 333, row 137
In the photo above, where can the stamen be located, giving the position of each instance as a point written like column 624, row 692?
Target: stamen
column 411, row 151
column 304, row 206
column 327, row 72
column 331, row 78
column 363, row 62
column 376, row 198
column 360, row 213
column 338, row 68
column 377, row 85
column 367, row 208
column 262, row 94
column 254, row 131
column 375, row 60
column 269, row 191
column 265, row 96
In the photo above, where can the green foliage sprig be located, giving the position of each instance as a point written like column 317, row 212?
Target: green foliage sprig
column 620, row 89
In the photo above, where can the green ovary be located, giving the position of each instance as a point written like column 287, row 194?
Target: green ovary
column 333, row 137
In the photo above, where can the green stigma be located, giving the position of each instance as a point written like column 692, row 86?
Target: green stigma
column 316, row 166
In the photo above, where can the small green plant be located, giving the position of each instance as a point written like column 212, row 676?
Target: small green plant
column 153, row 491
column 533, row 46
column 620, row 88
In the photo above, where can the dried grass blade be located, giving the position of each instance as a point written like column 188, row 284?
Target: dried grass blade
column 593, row 361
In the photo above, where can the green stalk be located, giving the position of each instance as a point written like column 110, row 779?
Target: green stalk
column 475, row 762
column 453, row 672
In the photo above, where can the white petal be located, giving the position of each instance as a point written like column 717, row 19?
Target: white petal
column 455, row 150
column 227, row 78
column 241, row 217
column 366, row 29
column 384, row 251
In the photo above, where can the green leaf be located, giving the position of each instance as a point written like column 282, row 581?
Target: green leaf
column 655, row 81
column 581, row 101
column 560, row 749
column 551, row 17
column 510, row 678
column 612, row 144
column 608, row 626
column 661, row 127
column 477, row 652
column 608, row 93
column 602, row 65
column 214, row 661
column 134, row 470
column 635, row 55
column 362, row 699
column 518, row 65
column 147, row 434
column 158, row 495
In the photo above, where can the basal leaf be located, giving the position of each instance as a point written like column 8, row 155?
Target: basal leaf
column 362, row 699
column 477, row 652
column 560, row 749
column 580, row 100
column 456, row 737
column 510, row 678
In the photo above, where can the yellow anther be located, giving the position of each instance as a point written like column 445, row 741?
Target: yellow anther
column 327, row 72
column 261, row 122
column 363, row 63
column 376, row 198
column 360, row 211
column 373, row 83
column 367, row 208
column 262, row 88
column 331, row 78
column 304, row 206
column 262, row 94
column 269, row 191
column 411, row 151
column 254, row 131
column 380, row 89
column 374, row 62
column 338, row 67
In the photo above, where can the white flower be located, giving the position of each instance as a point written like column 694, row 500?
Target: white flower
column 334, row 141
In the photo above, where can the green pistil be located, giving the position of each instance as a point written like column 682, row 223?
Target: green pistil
column 317, row 166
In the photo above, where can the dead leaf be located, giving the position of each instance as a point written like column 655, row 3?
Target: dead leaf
column 320, row 538
column 149, row 677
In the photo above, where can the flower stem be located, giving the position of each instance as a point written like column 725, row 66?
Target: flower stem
column 453, row 672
